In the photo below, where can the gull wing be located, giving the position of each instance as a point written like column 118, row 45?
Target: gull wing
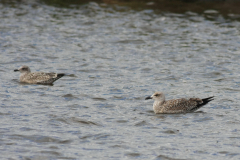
column 43, row 78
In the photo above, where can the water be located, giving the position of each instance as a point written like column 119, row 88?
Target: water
column 114, row 57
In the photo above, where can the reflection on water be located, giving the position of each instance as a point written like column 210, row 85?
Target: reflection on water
column 114, row 57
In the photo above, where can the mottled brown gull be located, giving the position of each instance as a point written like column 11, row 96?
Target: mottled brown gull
column 176, row 105
column 37, row 77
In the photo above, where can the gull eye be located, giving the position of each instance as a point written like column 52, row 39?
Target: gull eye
column 157, row 95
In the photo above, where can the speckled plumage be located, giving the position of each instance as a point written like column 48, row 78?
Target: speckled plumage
column 37, row 77
column 176, row 105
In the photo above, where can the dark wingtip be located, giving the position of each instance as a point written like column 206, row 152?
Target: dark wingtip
column 206, row 100
column 60, row 75
column 148, row 98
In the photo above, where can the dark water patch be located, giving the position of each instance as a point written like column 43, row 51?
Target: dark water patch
column 133, row 154
column 204, row 119
column 162, row 116
column 101, row 106
column 63, row 120
column 3, row 114
column 136, row 98
column 220, row 79
column 99, row 99
column 131, row 41
column 234, row 137
column 37, row 157
column 85, row 137
column 69, row 97
column 101, row 57
column 95, row 85
column 84, row 122
column 77, row 106
column 106, row 105
column 171, row 131
column 229, row 154
column 146, row 70
column 119, row 146
column 212, row 75
column 150, row 111
column 51, row 57
column 223, row 152
column 231, row 89
column 87, row 71
column 54, row 153
column 163, row 157
column 26, row 129
column 39, row 139
column 141, row 123
column 95, row 136
column 101, row 136
column 54, row 147
column 122, row 121
column 115, row 91
column 233, row 122
column 118, row 98
column 16, row 80
column 220, row 115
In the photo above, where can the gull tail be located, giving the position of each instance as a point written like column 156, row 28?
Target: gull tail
column 204, row 102
column 51, row 80
column 59, row 75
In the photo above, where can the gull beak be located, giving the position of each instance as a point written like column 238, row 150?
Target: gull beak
column 149, row 97
column 16, row 70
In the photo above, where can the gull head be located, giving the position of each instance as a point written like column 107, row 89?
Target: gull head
column 23, row 69
column 157, row 96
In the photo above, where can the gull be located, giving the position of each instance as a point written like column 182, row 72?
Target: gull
column 176, row 105
column 37, row 77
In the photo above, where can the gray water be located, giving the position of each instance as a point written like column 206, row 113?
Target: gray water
column 114, row 57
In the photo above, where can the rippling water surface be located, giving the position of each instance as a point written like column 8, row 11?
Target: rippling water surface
column 114, row 57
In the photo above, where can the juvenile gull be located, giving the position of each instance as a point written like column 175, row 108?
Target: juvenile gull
column 176, row 105
column 37, row 77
